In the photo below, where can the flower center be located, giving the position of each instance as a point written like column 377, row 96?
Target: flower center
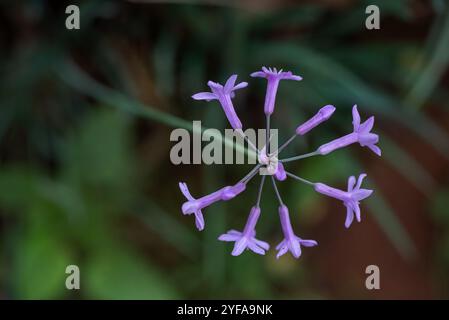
column 269, row 162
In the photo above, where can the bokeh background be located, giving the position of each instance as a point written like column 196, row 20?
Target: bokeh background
column 85, row 121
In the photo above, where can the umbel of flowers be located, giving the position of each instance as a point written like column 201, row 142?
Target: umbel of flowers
column 246, row 239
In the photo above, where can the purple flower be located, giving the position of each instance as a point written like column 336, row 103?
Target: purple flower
column 350, row 198
column 195, row 206
column 246, row 239
column 224, row 94
column 269, row 163
column 291, row 242
column 322, row 115
column 361, row 134
column 273, row 76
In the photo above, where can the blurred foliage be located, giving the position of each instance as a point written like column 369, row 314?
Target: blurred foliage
column 84, row 130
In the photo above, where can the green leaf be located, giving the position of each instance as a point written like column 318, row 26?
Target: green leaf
column 40, row 259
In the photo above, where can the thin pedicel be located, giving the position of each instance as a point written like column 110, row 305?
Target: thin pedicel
column 246, row 239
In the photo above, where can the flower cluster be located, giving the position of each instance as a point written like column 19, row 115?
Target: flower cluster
column 246, row 239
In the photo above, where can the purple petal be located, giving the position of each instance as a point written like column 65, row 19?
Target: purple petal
column 228, row 237
column 262, row 244
column 282, row 250
column 367, row 125
column 185, row 191
column 199, row 220
column 214, row 85
column 375, row 149
column 308, row 243
column 241, row 85
column 355, row 118
column 349, row 216
column 256, row 249
column 360, row 180
column 258, row 74
column 357, row 212
column 230, row 83
column 290, row 76
column 239, row 246
column 361, row 194
column 234, row 232
column 208, row 96
column 295, row 248
column 366, row 139
column 351, row 183
column 280, row 244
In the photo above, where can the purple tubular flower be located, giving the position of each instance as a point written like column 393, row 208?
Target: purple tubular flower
column 361, row 134
column 246, row 239
column 322, row 115
column 273, row 76
column 291, row 242
column 350, row 198
column 280, row 174
column 195, row 206
column 224, row 94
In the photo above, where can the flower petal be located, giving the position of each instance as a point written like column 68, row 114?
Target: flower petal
column 199, row 220
column 290, row 76
column 349, row 216
column 228, row 237
column 262, row 244
column 208, row 96
column 258, row 74
column 375, row 149
column 355, row 118
column 360, row 180
column 308, row 243
column 256, row 249
column 241, row 85
column 295, row 248
column 361, row 194
column 357, row 212
column 230, row 83
column 282, row 250
column 280, row 244
column 351, row 183
column 366, row 139
column 185, row 191
column 367, row 125
column 239, row 246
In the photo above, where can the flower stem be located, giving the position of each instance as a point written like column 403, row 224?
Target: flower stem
column 267, row 135
column 286, row 143
column 303, row 156
column 300, row 179
column 240, row 131
column 250, row 174
column 277, row 191
column 259, row 194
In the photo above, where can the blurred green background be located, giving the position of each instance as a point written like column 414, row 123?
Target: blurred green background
column 85, row 121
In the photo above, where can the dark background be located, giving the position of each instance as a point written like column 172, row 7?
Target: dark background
column 85, row 174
